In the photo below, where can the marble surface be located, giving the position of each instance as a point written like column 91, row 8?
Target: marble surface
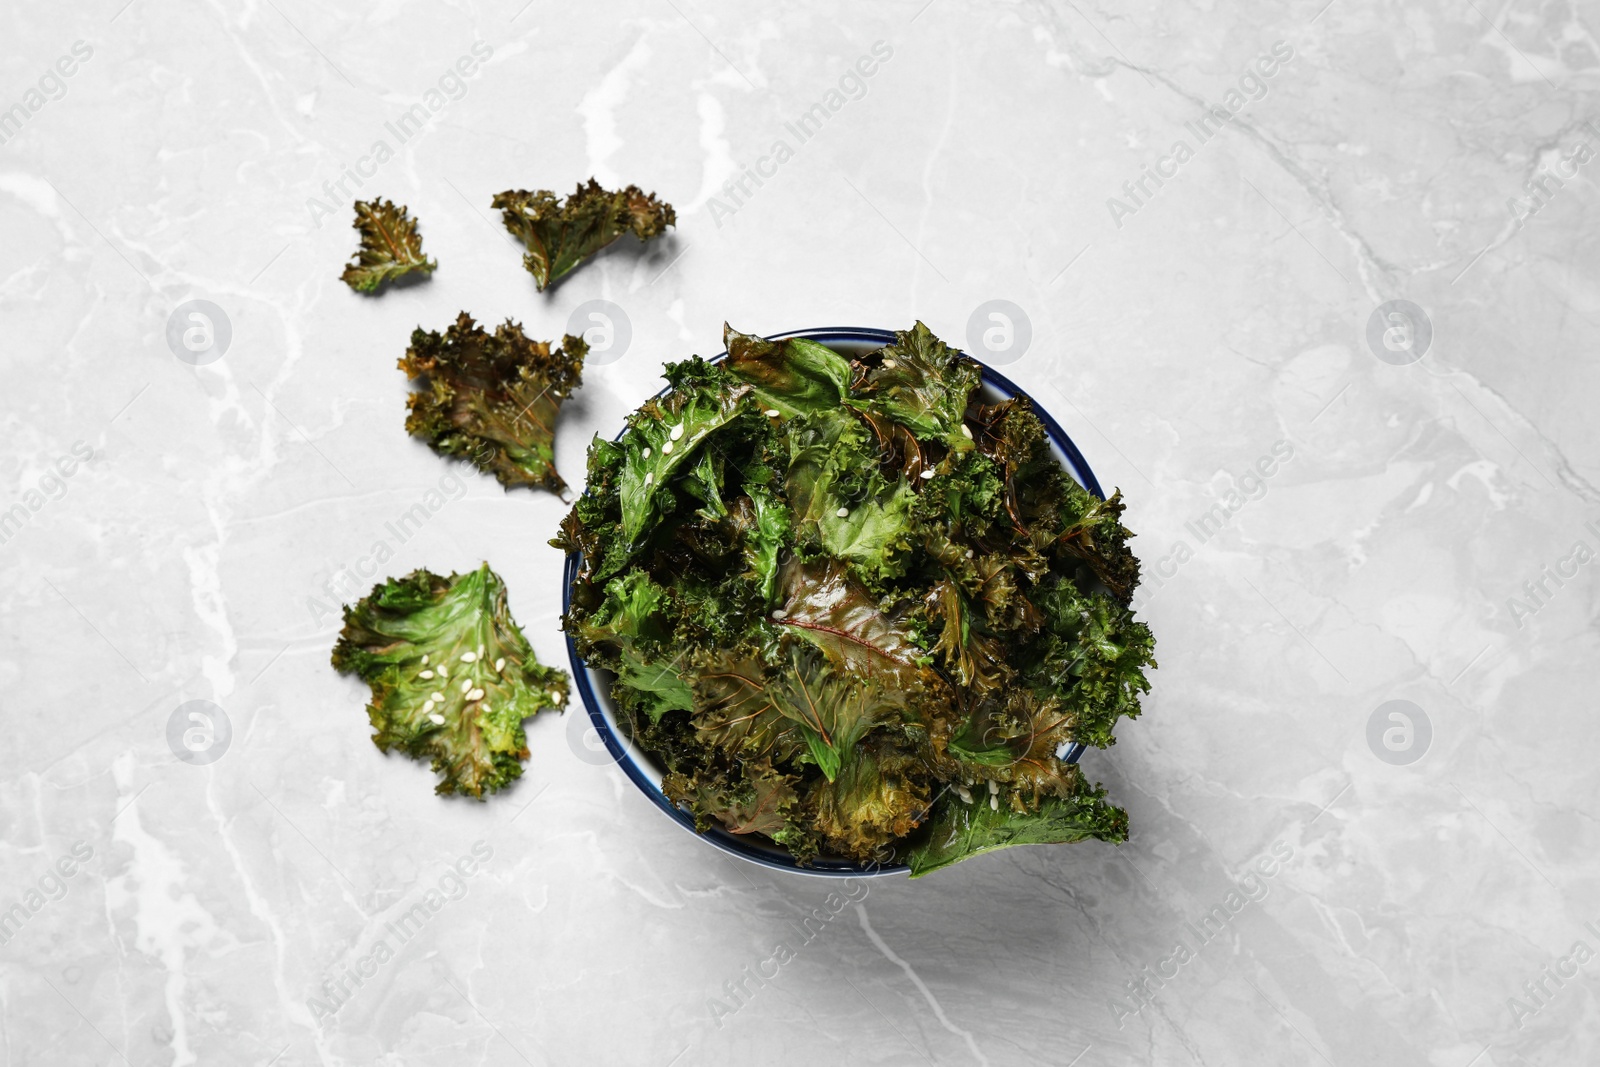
column 1334, row 518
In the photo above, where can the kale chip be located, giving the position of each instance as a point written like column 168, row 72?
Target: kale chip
column 560, row 236
column 451, row 674
column 492, row 398
column 390, row 248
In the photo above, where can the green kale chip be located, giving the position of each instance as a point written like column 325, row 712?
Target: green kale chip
column 924, row 385
column 795, row 377
column 390, row 248
column 960, row 828
column 492, row 398
column 451, row 674
column 562, row 235
column 855, row 610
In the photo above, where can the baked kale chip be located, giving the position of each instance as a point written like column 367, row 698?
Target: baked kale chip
column 856, row 609
column 561, row 235
column 960, row 829
column 492, row 398
column 451, row 675
column 390, row 248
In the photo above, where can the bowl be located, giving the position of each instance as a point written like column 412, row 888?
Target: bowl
column 594, row 685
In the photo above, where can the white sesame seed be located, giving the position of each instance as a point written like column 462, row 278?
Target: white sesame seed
column 439, row 696
column 425, row 675
column 773, row 413
column 994, row 787
column 466, row 685
column 961, row 791
column 969, row 553
column 677, row 431
column 966, row 431
column 500, row 664
column 648, row 478
column 994, row 802
column 424, row 659
column 666, row 449
column 480, row 651
column 444, row 670
column 436, row 719
column 468, row 657
column 779, row 613
column 843, row 513
column 889, row 363
column 927, row 474
column 647, row 452
column 476, row 694
column 555, row 695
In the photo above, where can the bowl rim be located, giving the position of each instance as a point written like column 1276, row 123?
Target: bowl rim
column 729, row 843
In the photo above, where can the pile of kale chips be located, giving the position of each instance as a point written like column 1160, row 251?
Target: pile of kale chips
column 853, row 609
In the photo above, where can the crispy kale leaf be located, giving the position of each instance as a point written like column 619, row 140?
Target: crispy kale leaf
column 793, row 377
column 962, row 828
column 1092, row 653
column 452, row 676
column 561, row 235
column 760, row 801
column 664, row 438
column 826, row 609
column 630, row 637
column 492, row 398
column 390, row 248
column 855, row 610
column 924, row 385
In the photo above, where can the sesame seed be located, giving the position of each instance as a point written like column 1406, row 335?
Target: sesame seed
column 677, row 431
column 468, row 657
column 961, row 791
column 476, row 694
column 439, row 696
column 647, row 452
column 500, row 664
column 773, row 413
column 424, row 659
column 889, row 363
column 444, row 670
column 779, row 613
column 966, row 431
column 436, row 719
column 466, row 685
column 425, row 675
column 994, row 787
column 843, row 513
column 969, row 553
column 648, row 478
column 994, row 802
column 480, row 651
column 927, row 474
column 666, row 449
column 556, row 695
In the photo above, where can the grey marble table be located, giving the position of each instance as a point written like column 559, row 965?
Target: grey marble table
column 1315, row 284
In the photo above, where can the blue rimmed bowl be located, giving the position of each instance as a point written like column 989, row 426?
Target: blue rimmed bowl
column 646, row 772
